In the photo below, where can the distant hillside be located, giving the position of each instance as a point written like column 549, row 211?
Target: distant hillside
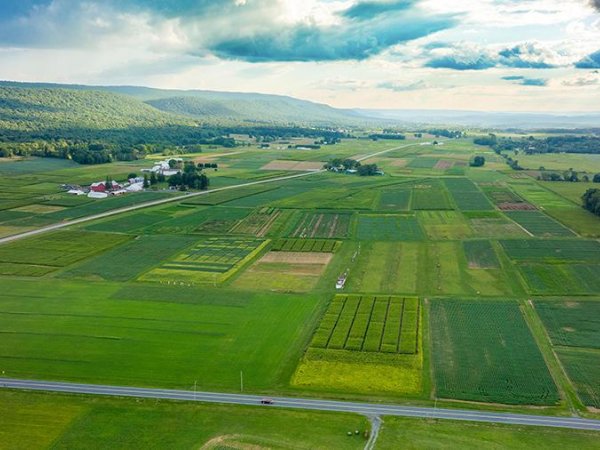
column 483, row 119
column 220, row 107
column 36, row 109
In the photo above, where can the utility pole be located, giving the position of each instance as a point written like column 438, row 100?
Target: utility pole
column 241, row 381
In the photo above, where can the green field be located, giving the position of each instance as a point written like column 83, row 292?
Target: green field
column 322, row 225
column 389, row 228
column 483, row 351
column 210, row 260
column 539, row 224
column 372, row 324
column 305, row 245
column 441, row 434
column 39, row 421
column 552, row 250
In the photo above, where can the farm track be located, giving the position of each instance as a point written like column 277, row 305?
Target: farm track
column 367, row 409
column 69, row 223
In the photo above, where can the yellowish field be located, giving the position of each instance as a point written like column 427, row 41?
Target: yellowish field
column 300, row 166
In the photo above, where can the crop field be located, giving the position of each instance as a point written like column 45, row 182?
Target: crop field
column 573, row 279
column 483, row 351
column 283, row 271
column 131, row 259
column 466, row 195
column 322, row 225
column 538, row 196
column 397, row 199
column 574, row 329
column 305, row 245
column 539, row 224
column 53, row 251
column 442, row 225
column 492, row 224
column 481, row 255
column 389, row 228
column 130, row 223
column 553, row 250
column 423, row 163
column 210, row 260
column 258, row 223
column 371, row 324
column 201, row 220
column 388, row 267
column 220, row 197
column 430, row 195
column 147, row 336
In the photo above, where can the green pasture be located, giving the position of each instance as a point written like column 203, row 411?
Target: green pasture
column 149, row 336
column 39, row 421
column 389, row 228
column 539, row 224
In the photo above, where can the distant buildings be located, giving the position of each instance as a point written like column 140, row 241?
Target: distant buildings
column 164, row 167
column 102, row 187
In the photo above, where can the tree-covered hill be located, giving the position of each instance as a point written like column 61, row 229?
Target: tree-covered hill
column 216, row 108
column 37, row 109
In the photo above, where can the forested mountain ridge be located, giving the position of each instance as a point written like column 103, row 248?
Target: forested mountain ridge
column 217, row 108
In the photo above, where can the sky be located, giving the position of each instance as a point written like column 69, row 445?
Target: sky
column 491, row 55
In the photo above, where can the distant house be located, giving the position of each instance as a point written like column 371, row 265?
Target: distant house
column 135, row 187
column 97, row 195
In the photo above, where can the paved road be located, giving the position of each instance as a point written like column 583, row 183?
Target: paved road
column 177, row 198
column 368, row 409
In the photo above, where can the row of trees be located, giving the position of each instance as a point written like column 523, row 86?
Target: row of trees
column 591, row 201
column 568, row 175
column 531, row 145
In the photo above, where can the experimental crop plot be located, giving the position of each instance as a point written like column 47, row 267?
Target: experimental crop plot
column 484, row 351
column 258, row 223
column 372, row 324
column 305, row 245
column 211, row 259
column 322, row 225
column 539, row 224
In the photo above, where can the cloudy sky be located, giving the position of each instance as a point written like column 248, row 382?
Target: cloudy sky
column 514, row 55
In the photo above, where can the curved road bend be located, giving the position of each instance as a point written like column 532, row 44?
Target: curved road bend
column 368, row 409
column 114, row 212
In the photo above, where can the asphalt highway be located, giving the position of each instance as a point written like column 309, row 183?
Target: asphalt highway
column 368, row 409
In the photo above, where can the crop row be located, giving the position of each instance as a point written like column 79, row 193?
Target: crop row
column 305, row 245
column 371, row 324
column 322, row 225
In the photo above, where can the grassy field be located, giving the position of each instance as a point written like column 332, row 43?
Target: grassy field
column 439, row 434
column 483, row 351
column 539, row 224
column 151, row 335
column 389, row 228
column 39, row 421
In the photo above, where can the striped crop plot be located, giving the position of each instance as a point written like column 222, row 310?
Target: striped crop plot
column 539, row 224
column 484, row 351
column 553, row 250
column 258, row 223
column 210, row 260
column 467, row 195
column 481, row 255
column 372, row 324
column 328, row 225
column 305, row 245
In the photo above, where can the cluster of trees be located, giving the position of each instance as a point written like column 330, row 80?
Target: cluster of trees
column 477, row 161
column 552, row 144
column 568, row 175
column 442, row 132
column 344, row 165
column 591, row 201
column 386, row 135
column 192, row 177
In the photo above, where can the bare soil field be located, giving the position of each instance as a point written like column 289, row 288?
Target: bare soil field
column 520, row 206
column 301, row 166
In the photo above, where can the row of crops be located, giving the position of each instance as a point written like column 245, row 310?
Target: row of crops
column 371, row 324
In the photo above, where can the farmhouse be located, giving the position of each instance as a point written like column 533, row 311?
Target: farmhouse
column 101, row 186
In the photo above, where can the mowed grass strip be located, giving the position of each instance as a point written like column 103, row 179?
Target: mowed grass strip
column 539, row 224
column 484, row 351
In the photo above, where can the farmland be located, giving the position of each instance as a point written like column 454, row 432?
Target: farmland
column 440, row 261
column 493, row 337
column 210, row 260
